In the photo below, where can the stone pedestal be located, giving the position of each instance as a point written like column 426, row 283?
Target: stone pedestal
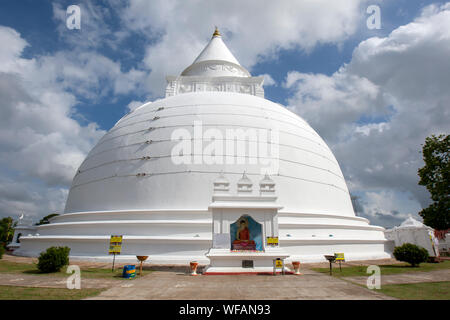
column 224, row 261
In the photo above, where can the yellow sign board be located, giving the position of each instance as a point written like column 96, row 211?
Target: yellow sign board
column 278, row 263
column 115, row 239
column 339, row 256
column 115, row 249
column 273, row 241
column 115, row 244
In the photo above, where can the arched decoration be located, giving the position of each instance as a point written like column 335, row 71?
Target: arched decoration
column 246, row 234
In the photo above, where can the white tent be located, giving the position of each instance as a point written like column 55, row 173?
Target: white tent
column 415, row 232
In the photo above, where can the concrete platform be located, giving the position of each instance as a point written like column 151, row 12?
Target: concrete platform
column 224, row 262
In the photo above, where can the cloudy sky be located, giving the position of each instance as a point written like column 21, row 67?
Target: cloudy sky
column 372, row 94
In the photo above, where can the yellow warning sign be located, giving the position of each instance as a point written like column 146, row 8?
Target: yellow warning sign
column 339, row 256
column 115, row 249
column 278, row 263
column 116, row 239
column 273, row 241
column 115, row 245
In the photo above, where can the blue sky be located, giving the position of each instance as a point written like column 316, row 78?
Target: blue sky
column 304, row 47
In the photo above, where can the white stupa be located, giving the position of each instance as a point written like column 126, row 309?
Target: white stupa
column 157, row 176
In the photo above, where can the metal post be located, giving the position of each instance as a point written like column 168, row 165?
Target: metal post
column 331, row 268
column 114, row 260
column 340, row 269
column 274, row 268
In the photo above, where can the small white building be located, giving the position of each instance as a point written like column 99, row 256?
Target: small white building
column 415, row 232
column 444, row 244
column 24, row 227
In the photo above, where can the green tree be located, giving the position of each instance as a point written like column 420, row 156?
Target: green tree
column 45, row 220
column 6, row 231
column 435, row 176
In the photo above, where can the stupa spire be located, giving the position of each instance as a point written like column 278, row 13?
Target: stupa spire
column 215, row 69
column 216, row 50
column 216, row 33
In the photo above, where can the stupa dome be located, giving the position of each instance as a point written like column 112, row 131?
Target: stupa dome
column 111, row 177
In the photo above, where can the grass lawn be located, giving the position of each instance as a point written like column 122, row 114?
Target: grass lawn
column 25, row 293
column 418, row 291
column 351, row 271
column 28, row 268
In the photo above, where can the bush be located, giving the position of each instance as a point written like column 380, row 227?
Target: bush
column 411, row 253
column 53, row 259
column 2, row 251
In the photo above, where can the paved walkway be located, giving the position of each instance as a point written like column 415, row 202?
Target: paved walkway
column 175, row 283
column 411, row 277
column 171, row 285
column 43, row 281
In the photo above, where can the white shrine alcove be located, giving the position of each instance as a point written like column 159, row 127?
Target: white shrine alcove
column 261, row 212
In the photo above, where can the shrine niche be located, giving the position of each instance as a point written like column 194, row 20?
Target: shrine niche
column 241, row 222
column 246, row 234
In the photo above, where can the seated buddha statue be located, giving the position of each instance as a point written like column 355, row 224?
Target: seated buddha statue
column 243, row 241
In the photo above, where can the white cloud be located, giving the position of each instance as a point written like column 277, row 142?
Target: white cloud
column 134, row 104
column 35, row 201
column 268, row 80
column 376, row 111
column 41, row 146
column 95, row 31
column 41, row 143
column 12, row 47
column 88, row 74
column 331, row 103
column 80, row 68
column 386, row 203
column 382, row 207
